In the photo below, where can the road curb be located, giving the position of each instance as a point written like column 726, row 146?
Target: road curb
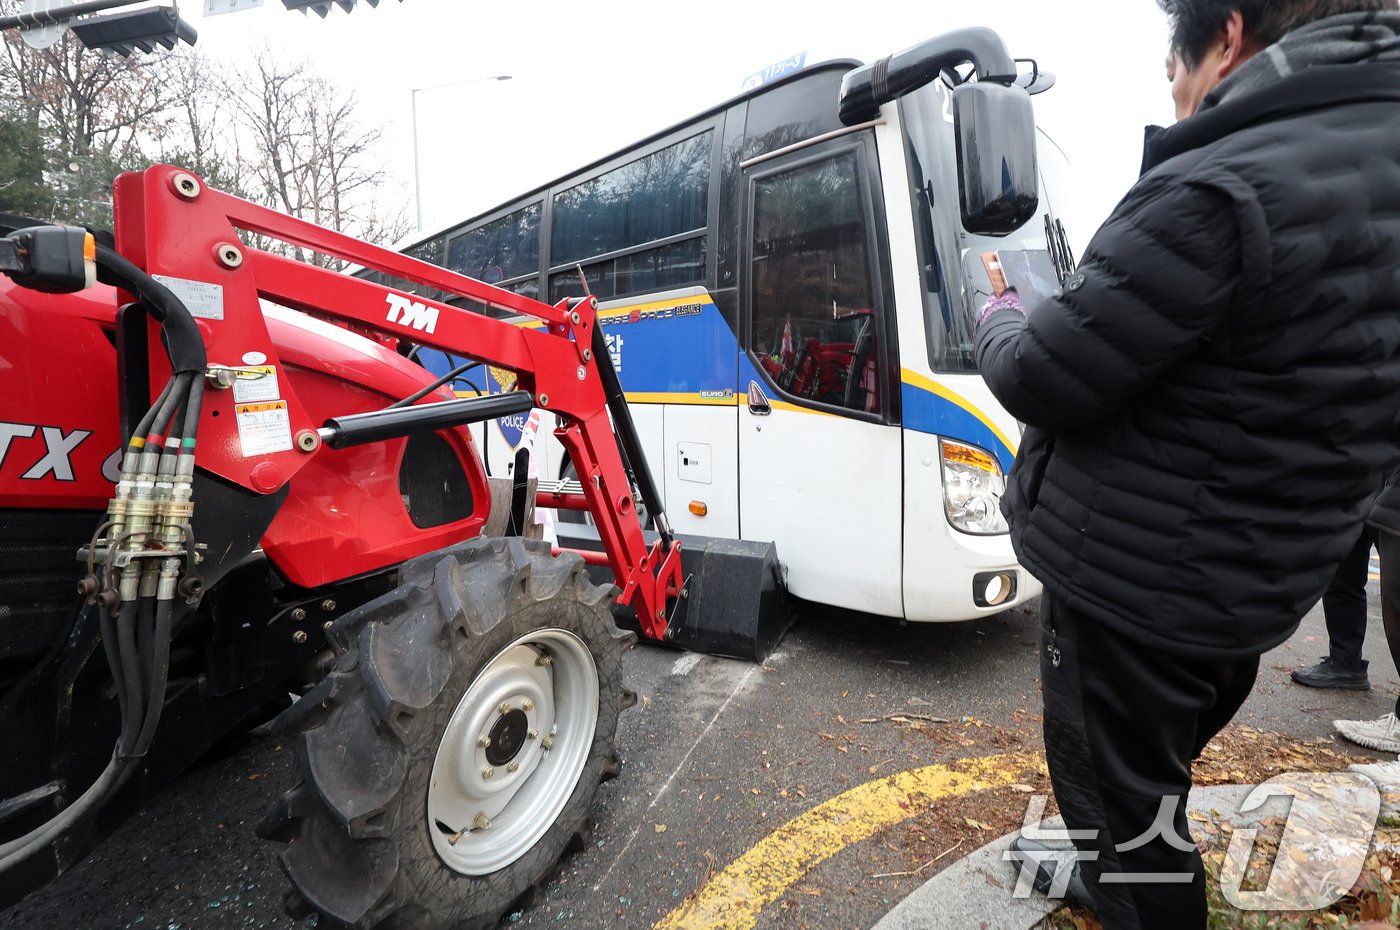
column 975, row 893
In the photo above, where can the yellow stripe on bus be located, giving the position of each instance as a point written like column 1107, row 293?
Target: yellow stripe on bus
column 914, row 379
column 694, row 400
column 641, row 397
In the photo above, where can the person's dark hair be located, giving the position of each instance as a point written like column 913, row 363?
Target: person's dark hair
column 1196, row 23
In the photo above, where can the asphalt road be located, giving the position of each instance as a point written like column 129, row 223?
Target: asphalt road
column 719, row 755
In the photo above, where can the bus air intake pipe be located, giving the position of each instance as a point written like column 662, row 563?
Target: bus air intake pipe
column 866, row 88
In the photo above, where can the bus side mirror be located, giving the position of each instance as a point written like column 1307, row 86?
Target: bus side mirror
column 995, row 128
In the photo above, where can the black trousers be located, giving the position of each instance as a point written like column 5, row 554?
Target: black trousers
column 1122, row 724
column 1344, row 604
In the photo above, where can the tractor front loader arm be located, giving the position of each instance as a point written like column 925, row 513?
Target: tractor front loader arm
column 210, row 440
column 187, row 234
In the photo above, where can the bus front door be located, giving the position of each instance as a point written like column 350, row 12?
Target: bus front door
column 820, row 455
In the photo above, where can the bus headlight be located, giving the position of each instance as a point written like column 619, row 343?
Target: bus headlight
column 973, row 484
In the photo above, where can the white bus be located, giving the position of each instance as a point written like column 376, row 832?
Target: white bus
column 789, row 285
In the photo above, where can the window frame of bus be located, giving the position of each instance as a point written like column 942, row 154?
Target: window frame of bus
column 860, row 147
column 567, row 273
column 513, row 283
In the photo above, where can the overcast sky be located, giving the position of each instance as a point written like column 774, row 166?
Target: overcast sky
column 591, row 77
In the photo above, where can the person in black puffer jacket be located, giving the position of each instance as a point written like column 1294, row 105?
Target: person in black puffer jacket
column 1208, row 400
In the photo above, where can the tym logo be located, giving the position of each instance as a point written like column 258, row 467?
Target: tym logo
column 407, row 312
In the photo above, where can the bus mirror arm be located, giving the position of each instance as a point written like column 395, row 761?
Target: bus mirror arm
column 865, row 89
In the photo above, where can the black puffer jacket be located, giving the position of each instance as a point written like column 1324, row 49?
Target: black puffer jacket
column 1214, row 395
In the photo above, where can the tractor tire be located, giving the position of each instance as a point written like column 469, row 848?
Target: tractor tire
column 452, row 755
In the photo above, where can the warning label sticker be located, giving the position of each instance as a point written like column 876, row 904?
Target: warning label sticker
column 255, row 383
column 264, row 427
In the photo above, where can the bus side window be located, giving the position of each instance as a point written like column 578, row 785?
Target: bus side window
column 813, row 327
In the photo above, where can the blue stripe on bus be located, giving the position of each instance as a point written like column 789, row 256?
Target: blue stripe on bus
column 673, row 347
column 692, row 354
column 926, row 412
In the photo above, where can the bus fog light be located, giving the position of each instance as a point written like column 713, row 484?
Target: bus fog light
column 992, row 589
column 973, row 484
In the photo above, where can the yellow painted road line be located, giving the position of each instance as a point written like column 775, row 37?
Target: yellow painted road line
column 733, row 899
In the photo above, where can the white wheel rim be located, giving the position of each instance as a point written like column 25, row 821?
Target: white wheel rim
column 489, row 803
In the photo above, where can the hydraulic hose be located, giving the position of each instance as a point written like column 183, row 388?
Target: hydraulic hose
column 136, row 642
column 145, row 637
column 182, row 338
column 155, row 696
column 143, row 428
column 131, row 670
column 117, row 770
column 170, row 406
column 112, row 778
column 193, row 404
column 452, row 375
column 107, row 627
column 130, row 666
column 139, row 722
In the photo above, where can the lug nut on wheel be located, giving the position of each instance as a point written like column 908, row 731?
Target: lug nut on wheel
column 488, row 772
column 484, row 742
column 547, row 743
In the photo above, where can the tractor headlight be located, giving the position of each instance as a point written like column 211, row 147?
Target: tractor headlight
column 973, row 484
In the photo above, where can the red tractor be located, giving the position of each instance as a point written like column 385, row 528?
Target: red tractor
column 258, row 491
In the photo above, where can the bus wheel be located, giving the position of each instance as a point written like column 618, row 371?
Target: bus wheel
column 453, row 753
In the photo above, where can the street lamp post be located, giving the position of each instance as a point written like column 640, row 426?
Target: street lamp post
column 417, row 160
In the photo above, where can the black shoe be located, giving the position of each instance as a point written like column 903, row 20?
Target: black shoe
column 1048, row 860
column 1329, row 674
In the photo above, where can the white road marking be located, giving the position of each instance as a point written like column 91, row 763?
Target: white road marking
column 685, row 663
column 680, row 765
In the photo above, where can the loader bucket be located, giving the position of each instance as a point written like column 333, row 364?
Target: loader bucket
column 735, row 603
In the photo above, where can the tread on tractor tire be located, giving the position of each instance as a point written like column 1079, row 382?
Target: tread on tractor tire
column 401, row 818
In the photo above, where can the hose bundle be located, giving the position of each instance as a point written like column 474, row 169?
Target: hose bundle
column 148, row 546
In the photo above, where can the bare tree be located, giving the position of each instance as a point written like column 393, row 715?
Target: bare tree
column 202, row 132
column 311, row 157
column 93, row 110
column 273, row 132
